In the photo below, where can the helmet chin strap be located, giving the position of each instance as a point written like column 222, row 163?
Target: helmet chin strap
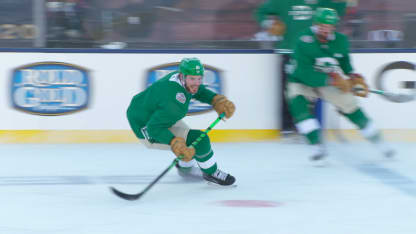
column 182, row 79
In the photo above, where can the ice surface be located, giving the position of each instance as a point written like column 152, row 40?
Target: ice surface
column 51, row 189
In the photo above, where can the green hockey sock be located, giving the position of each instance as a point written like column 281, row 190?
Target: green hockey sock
column 358, row 118
column 203, row 152
column 314, row 137
column 372, row 133
column 306, row 123
column 367, row 128
column 310, row 129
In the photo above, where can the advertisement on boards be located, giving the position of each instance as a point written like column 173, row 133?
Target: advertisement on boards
column 50, row 88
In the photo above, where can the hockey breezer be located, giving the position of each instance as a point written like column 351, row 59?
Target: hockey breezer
column 132, row 197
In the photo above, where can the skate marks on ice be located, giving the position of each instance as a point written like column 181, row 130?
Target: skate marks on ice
column 389, row 177
column 105, row 180
column 375, row 169
column 85, row 180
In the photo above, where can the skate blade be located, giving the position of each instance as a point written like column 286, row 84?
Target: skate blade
column 391, row 154
column 215, row 185
column 320, row 163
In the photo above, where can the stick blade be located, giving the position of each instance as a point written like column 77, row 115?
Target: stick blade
column 398, row 97
column 125, row 196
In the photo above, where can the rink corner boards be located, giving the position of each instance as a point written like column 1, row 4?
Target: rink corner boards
column 216, row 135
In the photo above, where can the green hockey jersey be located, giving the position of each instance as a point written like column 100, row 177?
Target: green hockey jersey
column 296, row 14
column 312, row 60
column 161, row 105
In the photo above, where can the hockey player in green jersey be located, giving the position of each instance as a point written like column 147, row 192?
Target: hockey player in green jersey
column 155, row 116
column 322, row 69
column 287, row 18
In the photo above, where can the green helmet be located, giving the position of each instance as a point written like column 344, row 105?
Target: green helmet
column 326, row 16
column 191, row 66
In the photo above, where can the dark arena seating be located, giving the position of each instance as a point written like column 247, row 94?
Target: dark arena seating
column 187, row 23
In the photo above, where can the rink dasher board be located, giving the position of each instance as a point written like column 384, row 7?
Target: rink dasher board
column 113, row 85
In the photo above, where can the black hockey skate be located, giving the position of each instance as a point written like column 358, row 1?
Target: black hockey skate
column 220, row 177
column 386, row 149
column 389, row 153
column 318, row 157
column 319, row 160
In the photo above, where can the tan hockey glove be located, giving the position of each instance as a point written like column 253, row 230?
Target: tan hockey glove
column 339, row 82
column 178, row 146
column 221, row 104
column 277, row 28
column 357, row 81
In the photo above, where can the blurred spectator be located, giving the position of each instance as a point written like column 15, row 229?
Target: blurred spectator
column 65, row 23
column 409, row 20
column 200, row 23
column 120, row 22
column 354, row 22
column 16, row 12
column 212, row 20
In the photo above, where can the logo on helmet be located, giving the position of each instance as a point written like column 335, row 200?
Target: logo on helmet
column 198, row 69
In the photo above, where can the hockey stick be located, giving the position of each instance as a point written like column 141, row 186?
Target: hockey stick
column 393, row 96
column 136, row 196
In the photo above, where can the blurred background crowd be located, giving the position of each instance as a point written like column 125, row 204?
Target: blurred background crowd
column 172, row 24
